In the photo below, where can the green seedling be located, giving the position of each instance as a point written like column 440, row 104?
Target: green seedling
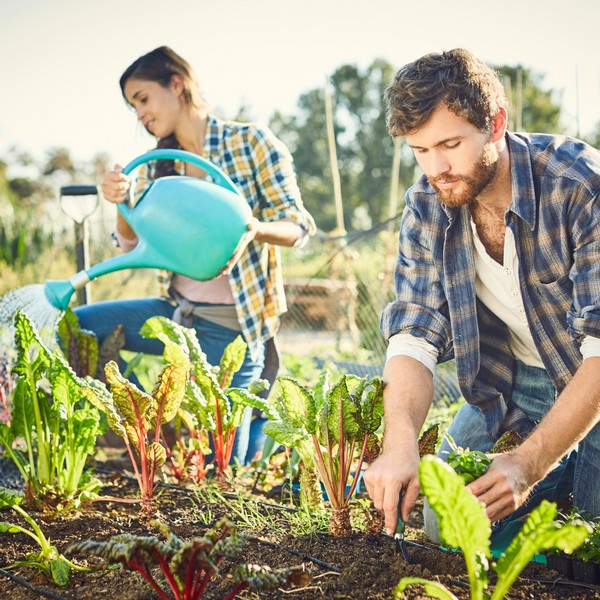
column 469, row 464
column 48, row 560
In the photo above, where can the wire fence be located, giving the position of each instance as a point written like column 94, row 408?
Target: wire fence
column 335, row 305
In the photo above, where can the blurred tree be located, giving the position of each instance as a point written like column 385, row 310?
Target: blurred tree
column 594, row 137
column 532, row 108
column 364, row 148
column 25, row 230
column 59, row 159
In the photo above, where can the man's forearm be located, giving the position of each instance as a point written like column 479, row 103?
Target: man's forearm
column 407, row 397
column 572, row 416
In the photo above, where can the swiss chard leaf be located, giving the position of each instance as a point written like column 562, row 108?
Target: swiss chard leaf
column 539, row 533
column 462, row 520
column 171, row 333
column 341, row 421
column 231, row 361
column 135, row 406
column 243, row 398
column 296, row 404
column 371, row 407
column 284, row 433
column 168, row 392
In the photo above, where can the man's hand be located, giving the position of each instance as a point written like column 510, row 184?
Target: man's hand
column 391, row 474
column 505, row 486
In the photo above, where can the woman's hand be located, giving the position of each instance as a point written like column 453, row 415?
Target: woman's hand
column 115, row 185
column 244, row 241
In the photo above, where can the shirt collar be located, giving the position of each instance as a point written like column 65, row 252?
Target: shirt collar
column 213, row 137
column 523, row 188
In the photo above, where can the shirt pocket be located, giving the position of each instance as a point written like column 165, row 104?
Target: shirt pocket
column 559, row 291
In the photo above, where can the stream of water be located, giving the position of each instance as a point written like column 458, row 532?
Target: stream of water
column 32, row 300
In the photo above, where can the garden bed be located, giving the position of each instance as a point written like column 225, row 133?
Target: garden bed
column 360, row 566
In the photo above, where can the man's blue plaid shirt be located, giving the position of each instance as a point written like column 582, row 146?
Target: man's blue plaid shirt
column 555, row 219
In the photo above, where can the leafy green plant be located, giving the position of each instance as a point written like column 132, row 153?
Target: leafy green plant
column 48, row 560
column 138, row 417
column 590, row 549
column 51, row 418
column 464, row 525
column 327, row 425
column 187, row 457
column 469, row 464
column 209, row 399
column 187, row 566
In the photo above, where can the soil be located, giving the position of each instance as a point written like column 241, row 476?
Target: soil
column 362, row 566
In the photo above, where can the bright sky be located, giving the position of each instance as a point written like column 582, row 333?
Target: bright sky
column 61, row 59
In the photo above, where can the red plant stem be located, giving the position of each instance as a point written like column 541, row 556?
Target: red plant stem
column 230, row 438
column 224, row 379
column 133, row 461
column 191, row 575
column 240, row 587
column 200, row 586
column 356, row 473
column 208, row 576
column 145, row 573
column 341, row 484
column 142, row 435
column 178, row 470
column 335, row 498
column 218, row 439
column 325, row 476
column 164, row 565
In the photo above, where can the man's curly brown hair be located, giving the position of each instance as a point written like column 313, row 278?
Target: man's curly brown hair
column 456, row 78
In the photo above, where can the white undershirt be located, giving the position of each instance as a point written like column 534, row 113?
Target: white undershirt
column 497, row 287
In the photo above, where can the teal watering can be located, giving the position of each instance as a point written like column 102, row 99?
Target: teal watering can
column 184, row 224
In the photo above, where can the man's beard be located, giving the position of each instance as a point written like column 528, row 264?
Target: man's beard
column 474, row 183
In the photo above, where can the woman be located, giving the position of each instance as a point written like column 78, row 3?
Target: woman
column 248, row 298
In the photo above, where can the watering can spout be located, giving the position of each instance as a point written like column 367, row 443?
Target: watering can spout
column 59, row 293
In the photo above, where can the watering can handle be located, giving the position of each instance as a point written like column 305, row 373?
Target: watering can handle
column 172, row 154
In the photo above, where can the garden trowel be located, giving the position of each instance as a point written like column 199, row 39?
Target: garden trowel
column 399, row 535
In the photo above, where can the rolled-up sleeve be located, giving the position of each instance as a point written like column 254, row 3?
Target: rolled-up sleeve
column 420, row 307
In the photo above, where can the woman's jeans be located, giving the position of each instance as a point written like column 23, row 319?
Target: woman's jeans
column 578, row 472
column 103, row 317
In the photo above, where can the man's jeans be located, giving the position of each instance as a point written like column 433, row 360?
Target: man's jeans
column 578, row 472
column 103, row 317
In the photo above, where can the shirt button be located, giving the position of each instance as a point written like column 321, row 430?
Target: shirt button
column 507, row 271
column 513, row 292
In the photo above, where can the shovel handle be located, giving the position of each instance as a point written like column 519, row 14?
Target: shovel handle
column 219, row 177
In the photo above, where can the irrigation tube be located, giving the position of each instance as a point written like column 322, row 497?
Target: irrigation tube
column 296, row 553
column 31, row 587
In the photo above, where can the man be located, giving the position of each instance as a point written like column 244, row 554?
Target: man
column 499, row 267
